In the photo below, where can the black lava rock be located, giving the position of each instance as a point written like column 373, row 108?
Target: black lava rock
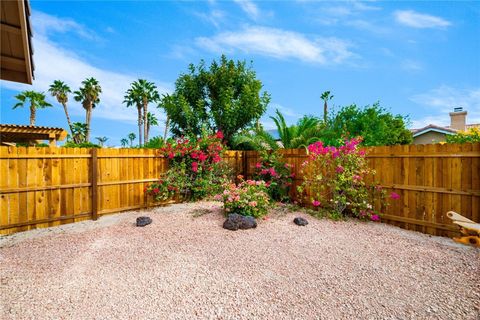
column 235, row 221
column 143, row 221
column 300, row 221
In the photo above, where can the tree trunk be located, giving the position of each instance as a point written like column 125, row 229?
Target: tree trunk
column 145, row 120
column 325, row 112
column 33, row 111
column 88, row 119
column 69, row 122
column 167, row 122
column 140, row 129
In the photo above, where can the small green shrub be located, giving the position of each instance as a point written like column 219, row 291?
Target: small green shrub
column 71, row 144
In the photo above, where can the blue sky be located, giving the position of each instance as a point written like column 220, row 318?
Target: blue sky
column 417, row 58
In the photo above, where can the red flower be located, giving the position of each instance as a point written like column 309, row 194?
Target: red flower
column 219, row 135
column 156, row 190
column 195, row 166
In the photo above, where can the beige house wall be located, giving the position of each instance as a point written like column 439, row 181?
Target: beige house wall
column 429, row 138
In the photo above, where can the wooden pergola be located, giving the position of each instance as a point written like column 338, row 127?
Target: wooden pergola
column 12, row 133
column 16, row 60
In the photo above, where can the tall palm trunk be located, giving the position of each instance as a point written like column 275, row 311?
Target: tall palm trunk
column 33, row 111
column 145, row 120
column 325, row 112
column 167, row 122
column 88, row 119
column 139, row 108
column 69, row 122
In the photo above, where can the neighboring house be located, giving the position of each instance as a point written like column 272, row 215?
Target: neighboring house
column 435, row 134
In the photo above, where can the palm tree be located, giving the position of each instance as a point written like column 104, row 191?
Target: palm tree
column 88, row 95
column 151, row 121
column 325, row 97
column 306, row 131
column 37, row 101
column 131, row 137
column 141, row 94
column 79, row 132
column 60, row 90
column 124, row 142
column 101, row 140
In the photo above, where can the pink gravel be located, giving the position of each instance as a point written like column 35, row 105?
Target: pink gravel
column 186, row 267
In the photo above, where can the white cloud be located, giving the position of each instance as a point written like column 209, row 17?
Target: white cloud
column 415, row 19
column 286, row 111
column 411, row 65
column 440, row 101
column 44, row 23
column 53, row 62
column 214, row 16
column 279, row 44
column 249, row 8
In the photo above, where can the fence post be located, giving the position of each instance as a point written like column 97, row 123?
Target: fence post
column 94, row 183
column 245, row 163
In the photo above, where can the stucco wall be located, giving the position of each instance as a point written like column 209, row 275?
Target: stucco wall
column 430, row 137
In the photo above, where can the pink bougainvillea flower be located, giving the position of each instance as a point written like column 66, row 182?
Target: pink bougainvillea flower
column 339, row 169
column 316, row 203
column 375, row 217
column 258, row 165
column 195, row 166
column 394, row 196
column 171, row 155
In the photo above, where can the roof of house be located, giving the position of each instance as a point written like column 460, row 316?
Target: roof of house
column 16, row 52
column 20, row 133
column 434, row 128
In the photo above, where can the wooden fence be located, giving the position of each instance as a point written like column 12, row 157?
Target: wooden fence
column 42, row 187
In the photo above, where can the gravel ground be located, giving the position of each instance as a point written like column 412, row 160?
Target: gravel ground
column 185, row 266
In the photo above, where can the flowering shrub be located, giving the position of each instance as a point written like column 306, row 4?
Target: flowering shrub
column 471, row 135
column 161, row 190
column 248, row 198
column 336, row 180
column 276, row 174
column 196, row 169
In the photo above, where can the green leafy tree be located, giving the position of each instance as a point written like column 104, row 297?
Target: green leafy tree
column 325, row 97
column 60, row 91
column 374, row 123
column 36, row 101
column 140, row 94
column 89, row 96
column 224, row 97
column 101, row 140
column 131, row 137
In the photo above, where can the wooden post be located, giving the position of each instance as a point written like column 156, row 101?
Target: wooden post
column 245, row 163
column 94, row 182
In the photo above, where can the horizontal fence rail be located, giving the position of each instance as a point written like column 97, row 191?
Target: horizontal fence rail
column 42, row 187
